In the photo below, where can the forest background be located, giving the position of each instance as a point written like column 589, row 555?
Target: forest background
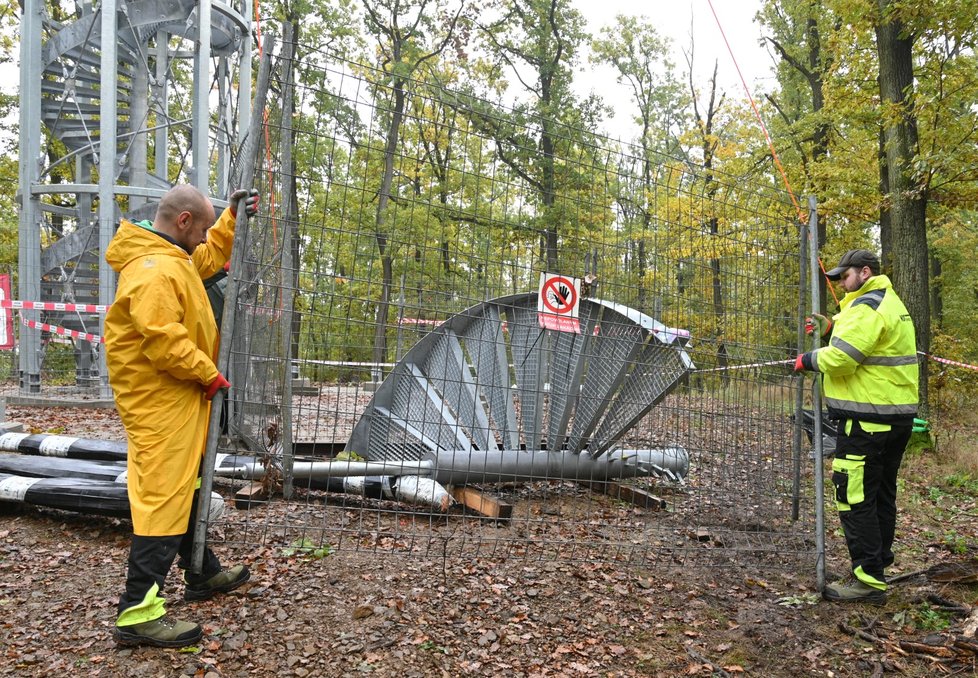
column 871, row 110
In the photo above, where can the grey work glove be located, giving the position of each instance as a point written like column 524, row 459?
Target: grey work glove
column 251, row 199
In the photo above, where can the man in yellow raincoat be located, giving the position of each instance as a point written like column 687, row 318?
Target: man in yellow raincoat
column 161, row 345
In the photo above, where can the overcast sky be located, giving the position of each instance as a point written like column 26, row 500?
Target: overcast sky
column 677, row 19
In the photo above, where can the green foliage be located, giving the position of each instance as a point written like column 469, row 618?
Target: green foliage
column 449, row 195
column 956, row 543
column 308, row 549
column 58, row 366
column 923, row 617
column 920, row 441
column 431, row 646
column 9, row 213
column 961, row 481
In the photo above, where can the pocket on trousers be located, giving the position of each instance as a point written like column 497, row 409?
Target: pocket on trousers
column 847, row 477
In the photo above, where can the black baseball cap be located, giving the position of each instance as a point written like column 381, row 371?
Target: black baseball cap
column 857, row 259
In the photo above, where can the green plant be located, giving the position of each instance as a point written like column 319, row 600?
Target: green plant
column 58, row 367
column 307, row 548
column 955, row 543
column 924, row 618
column 961, row 480
column 430, row 646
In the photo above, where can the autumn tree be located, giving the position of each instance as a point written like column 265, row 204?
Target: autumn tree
column 537, row 42
column 408, row 33
column 640, row 57
column 795, row 30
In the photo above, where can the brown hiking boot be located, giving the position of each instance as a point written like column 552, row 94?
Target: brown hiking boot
column 856, row 592
column 162, row 632
column 226, row 580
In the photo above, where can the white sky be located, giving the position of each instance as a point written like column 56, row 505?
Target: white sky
column 675, row 19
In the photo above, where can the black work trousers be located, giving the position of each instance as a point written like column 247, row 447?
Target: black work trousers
column 150, row 559
column 864, row 474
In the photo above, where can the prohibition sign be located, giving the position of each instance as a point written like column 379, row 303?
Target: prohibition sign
column 559, row 295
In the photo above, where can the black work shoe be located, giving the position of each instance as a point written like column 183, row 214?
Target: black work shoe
column 162, row 632
column 226, row 580
column 856, row 592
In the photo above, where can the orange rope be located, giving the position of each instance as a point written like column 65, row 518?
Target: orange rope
column 268, row 148
column 770, row 143
column 258, row 27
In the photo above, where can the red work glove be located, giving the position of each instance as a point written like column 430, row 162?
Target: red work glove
column 216, row 385
column 818, row 322
column 799, row 366
column 251, row 199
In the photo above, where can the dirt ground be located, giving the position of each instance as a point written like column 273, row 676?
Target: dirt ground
column 356, row 612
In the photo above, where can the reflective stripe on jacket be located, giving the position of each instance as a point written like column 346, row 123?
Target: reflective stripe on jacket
column 870, row 370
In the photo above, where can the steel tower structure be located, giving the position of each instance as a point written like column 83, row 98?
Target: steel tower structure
column 119, row 100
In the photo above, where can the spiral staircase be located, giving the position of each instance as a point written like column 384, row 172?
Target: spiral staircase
column 63, row 227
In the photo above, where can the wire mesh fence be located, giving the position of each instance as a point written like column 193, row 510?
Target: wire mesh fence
column 465, row 330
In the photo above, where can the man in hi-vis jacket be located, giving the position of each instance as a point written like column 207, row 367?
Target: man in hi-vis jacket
column 869, row 377
column 161, row 346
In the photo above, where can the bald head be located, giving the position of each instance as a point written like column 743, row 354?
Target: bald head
column 185, row 214
column 183, row 198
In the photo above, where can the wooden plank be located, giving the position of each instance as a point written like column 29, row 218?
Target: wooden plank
column 478, row 501
column 248, row 495
column 631, row 495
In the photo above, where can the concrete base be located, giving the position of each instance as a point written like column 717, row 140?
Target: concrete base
column 11, row 427
column 59, row 401
column 304, row 387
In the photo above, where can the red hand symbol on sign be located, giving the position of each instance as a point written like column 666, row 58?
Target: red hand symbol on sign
column 559, row 296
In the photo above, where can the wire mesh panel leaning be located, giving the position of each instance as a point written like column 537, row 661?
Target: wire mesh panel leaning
column 447, row 342
column 437, row 354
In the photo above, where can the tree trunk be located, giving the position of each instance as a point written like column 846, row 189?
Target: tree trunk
column 380, row 233
column 549, row 193
column 886, row 230
column 908, row 198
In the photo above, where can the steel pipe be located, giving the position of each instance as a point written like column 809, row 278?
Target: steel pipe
column 457, row 467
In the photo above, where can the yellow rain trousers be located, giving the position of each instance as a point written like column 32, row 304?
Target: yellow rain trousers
column 161, row 345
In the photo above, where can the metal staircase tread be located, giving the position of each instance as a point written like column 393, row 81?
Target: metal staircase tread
column 83, row 62
column 455, row 392
column 56, row 91
column 50, row 106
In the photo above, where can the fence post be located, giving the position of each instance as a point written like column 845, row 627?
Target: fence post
column 246, row 172
column 817, row 405
column 796, row 445
column 289, row 276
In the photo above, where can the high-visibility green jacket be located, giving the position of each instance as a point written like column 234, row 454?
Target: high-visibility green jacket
column 869, row 368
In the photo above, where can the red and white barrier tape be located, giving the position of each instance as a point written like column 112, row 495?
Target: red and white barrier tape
column 65, row 332
column 99, row 308
column 744, row 367
column 945, row 361
column 52, row 306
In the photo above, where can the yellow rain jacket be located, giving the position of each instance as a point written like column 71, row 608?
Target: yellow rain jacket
column 161, row 344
